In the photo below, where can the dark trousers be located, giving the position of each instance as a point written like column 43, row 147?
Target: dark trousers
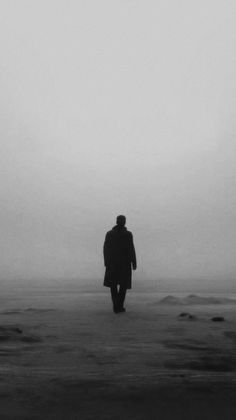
column 118, row 296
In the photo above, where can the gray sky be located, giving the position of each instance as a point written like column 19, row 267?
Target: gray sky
column 112, row 107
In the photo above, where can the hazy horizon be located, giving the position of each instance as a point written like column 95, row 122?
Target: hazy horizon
column 118, row 108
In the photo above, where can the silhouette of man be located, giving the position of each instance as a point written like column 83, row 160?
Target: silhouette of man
column 119, row 255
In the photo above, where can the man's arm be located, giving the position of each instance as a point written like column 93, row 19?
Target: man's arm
column 133, row 253
column 106, row 250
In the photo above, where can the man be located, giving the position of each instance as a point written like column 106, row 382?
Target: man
column 119, row 255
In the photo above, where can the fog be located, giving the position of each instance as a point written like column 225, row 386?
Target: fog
column 112, row 107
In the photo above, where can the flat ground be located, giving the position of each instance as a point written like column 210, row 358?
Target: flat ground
column 65, row 355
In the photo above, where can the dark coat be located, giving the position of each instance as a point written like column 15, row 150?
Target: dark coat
column 119, row 254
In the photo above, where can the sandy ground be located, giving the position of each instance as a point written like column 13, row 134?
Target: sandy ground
column 65, row 355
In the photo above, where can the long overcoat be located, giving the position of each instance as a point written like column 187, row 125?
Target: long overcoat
column 119, row 254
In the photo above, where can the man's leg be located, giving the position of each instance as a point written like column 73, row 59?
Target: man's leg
column 114, row 297
column 121, row 298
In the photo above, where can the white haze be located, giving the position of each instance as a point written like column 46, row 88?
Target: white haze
column 112, row 107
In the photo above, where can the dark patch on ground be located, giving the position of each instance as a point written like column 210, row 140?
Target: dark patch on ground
column 218, row 319
column 28, row 310
column 203, row 358
column 101, row 399
column 31, row 339
column 187, row 316
column 9, row 352
column 128, row 339
column 231, row 335
column 215, row 363
column 11, row 312
column 10, row 333
column 62, row 349
column 176, row 330
column 39, row 310
column 16, row 334
column 207, row 362
column 187, row 345
column 196, row 300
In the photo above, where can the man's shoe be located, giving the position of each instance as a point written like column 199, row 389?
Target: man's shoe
column 118, row 310
column 122, row 309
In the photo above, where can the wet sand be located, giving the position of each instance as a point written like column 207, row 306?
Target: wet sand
column 65, row 355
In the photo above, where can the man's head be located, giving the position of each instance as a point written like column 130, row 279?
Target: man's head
column 121, row 220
